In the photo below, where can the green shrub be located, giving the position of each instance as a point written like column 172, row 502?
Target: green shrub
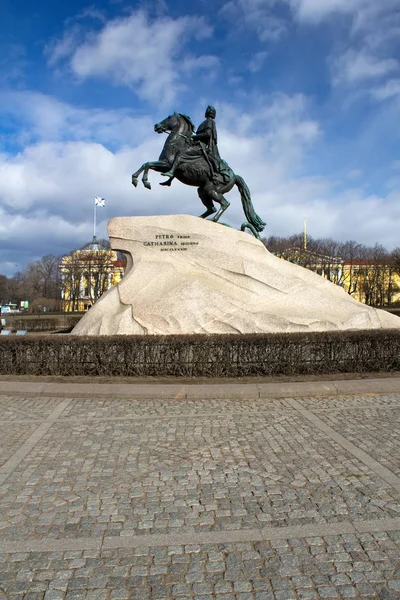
column 201, row 355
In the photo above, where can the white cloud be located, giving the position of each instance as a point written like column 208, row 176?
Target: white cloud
column 206, row 62
column 317, row 10
column 355, row 174
column 57, row 50
column 43, row 234
column 48, row 189
column 267, row 19
column 42, row 117
column 145, row 55
column 47, row 196
column 257, row 61
column 13, row 64
column 364, row 14
column 354, row 66
column 258, row 15
column 276, row 113
column 371, row 36
column 379, row 19
column 371, row 50
column 389, row 90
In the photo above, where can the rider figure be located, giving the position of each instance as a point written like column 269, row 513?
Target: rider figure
column 205, row 143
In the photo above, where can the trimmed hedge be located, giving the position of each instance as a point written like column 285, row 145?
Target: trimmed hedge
column 42, row 323
column 201, row 355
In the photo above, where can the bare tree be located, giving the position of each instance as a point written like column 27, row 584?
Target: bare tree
column 321, row 255
column 86, row 274
column 17, row 290
column 351, row 253
column 4, row 289
column 72, row 269
column 374, row 276
column 98, row 269
column 50, row 276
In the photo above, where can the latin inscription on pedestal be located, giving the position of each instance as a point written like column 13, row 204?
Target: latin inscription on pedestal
column 171, row 242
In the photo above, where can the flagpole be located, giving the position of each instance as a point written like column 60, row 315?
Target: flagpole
column 94, row 222
column 97, row 202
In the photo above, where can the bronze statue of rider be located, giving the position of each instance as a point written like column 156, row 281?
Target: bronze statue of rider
column 205, row 144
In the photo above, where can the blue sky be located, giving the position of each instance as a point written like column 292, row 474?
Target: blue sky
column 308, row 112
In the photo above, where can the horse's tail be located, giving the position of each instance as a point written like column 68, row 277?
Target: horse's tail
column 247, row 204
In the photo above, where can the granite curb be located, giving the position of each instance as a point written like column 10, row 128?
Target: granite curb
column 204, row 390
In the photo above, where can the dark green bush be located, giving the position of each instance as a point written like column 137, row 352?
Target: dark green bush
column 202, row 356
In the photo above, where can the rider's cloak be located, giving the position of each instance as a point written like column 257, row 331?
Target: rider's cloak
column 207, row 133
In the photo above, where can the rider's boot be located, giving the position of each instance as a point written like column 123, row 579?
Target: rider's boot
column 169, row 181
column 171, row 172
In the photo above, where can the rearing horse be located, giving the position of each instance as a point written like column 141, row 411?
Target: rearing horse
column 196, row 171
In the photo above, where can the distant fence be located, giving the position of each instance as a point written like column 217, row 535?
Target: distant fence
column 43, row 322
column 202, row 356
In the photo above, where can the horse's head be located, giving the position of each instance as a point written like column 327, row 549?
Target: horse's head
column 170, row 123
column 175, row 122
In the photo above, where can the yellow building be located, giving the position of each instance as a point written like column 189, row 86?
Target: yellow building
column 331, row 268
column 374, row 282
column 86, row 274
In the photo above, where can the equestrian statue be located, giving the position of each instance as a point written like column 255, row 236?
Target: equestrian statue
column 194, row 159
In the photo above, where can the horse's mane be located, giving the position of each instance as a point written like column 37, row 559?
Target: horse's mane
column 189, row 121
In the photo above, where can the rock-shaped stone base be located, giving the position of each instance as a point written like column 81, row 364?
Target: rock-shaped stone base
column 186, row 275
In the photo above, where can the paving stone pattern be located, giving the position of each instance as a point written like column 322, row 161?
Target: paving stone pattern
column 347, row 566
column 12, row 436
column 132, row 409
column 360, row 427
column 349, row 402
column 226, row 499
column 20, row 409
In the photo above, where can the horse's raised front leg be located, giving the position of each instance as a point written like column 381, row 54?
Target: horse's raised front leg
column 137, row 173
column 156, row 165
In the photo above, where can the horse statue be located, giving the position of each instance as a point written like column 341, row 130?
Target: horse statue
column 196, row 167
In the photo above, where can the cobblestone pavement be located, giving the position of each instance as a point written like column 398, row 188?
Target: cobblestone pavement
column 226, row 498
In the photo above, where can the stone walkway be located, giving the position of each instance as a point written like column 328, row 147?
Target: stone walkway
column 234, row 491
